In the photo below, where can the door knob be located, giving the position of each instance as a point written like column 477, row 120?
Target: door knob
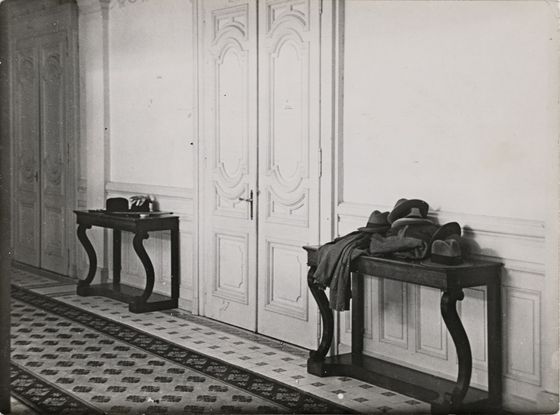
column 249, row 200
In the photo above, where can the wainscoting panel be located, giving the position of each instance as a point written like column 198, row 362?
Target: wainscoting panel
column 158, row 245
column 523, row 333
column 392, row 312
column 404, row 324
column 431, row 333
column 286, row 296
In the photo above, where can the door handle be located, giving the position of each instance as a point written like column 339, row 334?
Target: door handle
column 249, row 200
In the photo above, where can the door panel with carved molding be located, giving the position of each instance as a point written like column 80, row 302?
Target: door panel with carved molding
column 288, row 165
column 41, row 121
column 230, row 140
column 27, row 220
column 260, row 123
column 54, row 252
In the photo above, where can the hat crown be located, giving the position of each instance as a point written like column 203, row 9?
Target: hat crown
column 405, row 207
column 447, row 251
column 377, row 222
column 447, row 247
column 377, row 218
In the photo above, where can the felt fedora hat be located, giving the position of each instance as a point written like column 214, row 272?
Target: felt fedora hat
column 377, row 222
column 446, row 253
column 408, row 207
column 445, row 231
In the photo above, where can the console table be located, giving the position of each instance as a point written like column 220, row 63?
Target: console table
column 140, row 224
column 444, row 395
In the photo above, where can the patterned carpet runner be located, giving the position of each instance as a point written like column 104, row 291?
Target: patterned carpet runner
column 67, row 360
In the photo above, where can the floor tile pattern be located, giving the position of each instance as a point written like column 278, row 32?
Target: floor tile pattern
column 121, row 370
column 41, row 396
column 260, row 354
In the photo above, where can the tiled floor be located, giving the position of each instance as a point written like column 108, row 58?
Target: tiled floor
column 268, row 357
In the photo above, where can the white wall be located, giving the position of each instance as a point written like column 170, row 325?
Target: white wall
column 137, row 73
column 456, row 102
column 151, row 96
column 451, row 102
column 151, row 92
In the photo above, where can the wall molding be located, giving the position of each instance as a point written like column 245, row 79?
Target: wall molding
column 179, row 200
column 156, row 190
column 496, row 225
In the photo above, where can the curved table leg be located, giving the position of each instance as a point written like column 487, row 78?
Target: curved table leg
column 326, row 317
column 86, row 243
column 453, row 322
column 137, row 242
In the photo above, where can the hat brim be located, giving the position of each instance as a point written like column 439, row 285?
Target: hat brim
column 429, row 263
column 375, row 229
column 411, row 221
column 404, row 208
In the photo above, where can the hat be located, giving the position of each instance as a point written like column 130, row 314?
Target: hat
column 404, row 207
column 445, row 231
column 377, row 222
column 445, row 252
column 116, row 204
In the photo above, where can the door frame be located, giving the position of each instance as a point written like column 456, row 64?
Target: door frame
column 329, row 125
column 68, row 15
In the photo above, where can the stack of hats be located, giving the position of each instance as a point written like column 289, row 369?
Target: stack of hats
column 407, row 233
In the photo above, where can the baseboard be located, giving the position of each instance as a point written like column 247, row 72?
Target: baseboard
column 547, row 403
column 42, row 272
column 185, row 305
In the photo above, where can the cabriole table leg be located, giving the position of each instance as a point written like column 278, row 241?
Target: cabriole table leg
column 90, row 251
column 141, row 300
column 448, row 305
column 316, row 357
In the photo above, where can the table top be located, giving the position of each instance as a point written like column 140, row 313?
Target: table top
column 469, row 274
column 129, row 221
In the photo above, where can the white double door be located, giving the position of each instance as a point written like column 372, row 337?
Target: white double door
column 261, row 163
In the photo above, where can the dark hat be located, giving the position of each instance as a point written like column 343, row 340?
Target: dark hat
column 446, row 252
column 377, row 222
column 404, row 207
column 445, row 231
column 116, row 204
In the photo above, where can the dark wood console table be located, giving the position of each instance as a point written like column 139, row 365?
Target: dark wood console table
column 444, row 395
column 140, row 225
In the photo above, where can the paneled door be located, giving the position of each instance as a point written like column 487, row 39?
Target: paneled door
column 27, row 215
column 260, row 124
column 288, row 166
column 229, row 101
column 41, row 122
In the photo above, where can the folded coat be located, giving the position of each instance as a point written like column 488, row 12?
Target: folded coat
column 333, row 266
